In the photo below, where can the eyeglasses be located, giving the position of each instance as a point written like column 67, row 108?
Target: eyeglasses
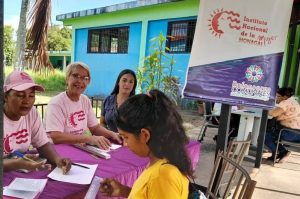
column 82, row 78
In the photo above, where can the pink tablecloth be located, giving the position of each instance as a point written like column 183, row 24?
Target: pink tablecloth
column 123, row 166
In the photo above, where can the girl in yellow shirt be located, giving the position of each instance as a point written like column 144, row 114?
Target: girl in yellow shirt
column 151, row 127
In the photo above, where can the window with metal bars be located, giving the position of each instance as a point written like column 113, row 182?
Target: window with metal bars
column 180, row 36
column 108, row 40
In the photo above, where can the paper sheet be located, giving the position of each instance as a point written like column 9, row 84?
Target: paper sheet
column 25, row 184
column 19, row 194
column 76, row 175
column 115, row 146
column 25, row 188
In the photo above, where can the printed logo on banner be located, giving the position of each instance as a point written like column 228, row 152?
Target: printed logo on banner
column 218, row 15
column 254, row 74
column 252, row 31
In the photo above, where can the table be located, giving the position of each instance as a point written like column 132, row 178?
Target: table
column 224, row 121
column 123, row 166
column 249, row 122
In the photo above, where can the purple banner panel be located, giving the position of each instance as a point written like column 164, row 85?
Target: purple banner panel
column 249, row 81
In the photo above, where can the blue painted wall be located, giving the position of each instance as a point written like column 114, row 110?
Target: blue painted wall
column 105, row 68
column 181, row 59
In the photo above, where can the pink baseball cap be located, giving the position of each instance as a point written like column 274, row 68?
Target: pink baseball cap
column 20, row 81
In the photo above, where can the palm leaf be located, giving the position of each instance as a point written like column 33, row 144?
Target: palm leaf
column 37, row 34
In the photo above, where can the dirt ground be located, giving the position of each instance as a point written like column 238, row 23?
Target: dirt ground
column 191, row 119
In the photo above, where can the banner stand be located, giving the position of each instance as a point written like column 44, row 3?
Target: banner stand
column 261, row 138
column 223, row 128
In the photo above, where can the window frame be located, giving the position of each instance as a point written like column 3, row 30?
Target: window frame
column 189, row 37
column 110, row 35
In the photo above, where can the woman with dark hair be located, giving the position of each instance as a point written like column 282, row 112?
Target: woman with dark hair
column 286, row 114
column 151, row 127
column 124, row 88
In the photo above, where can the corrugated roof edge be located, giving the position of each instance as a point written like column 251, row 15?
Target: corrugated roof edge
column 112, row 8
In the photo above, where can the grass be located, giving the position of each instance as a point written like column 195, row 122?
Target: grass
column 54, row 81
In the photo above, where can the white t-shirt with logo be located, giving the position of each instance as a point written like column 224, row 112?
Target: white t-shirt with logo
column 67, row 116
column 18, row 135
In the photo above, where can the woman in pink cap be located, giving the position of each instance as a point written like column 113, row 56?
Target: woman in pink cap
column 70, row 113
column 23, row 127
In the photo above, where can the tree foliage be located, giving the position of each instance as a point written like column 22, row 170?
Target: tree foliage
column 59, row 39
column 9, row 45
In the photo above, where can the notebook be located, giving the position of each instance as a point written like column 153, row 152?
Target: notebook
column 94, row 150
column 94, row 188
column 25, row 188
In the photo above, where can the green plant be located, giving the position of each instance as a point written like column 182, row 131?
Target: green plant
column 157, row 70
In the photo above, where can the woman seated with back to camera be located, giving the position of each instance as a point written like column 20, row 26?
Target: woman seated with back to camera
column 124, row 88
column 286, row 114
column 151, row 127
column 70, row 113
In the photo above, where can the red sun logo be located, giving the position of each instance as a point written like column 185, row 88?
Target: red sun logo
column 217, row 16
column 214, row 23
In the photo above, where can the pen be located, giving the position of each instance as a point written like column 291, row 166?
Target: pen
column 21, row 155
column 79, row 165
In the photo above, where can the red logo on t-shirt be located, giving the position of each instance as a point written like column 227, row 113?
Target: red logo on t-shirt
column 76, row 117
column 12, row 140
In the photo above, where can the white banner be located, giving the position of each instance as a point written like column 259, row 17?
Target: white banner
column 237, row 51
column 231, row 29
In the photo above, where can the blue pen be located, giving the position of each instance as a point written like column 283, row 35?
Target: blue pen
column 21, row 155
